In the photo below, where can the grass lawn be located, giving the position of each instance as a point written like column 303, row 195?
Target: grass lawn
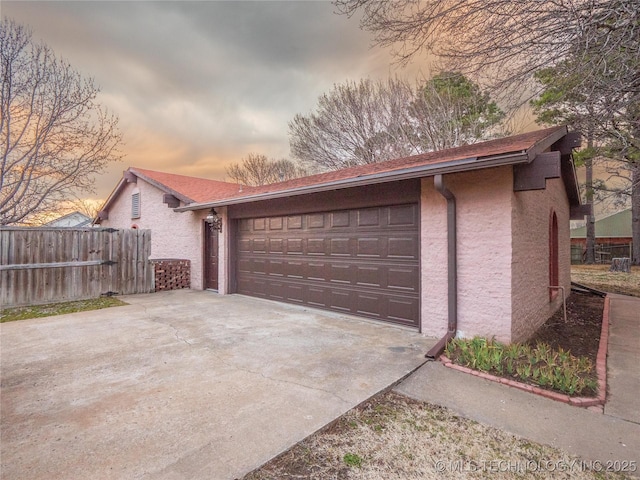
column 393, row 437
column 36, row 311
column 599, row 277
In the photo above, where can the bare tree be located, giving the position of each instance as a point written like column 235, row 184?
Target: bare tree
column 256, row 169
column 371, row 121
column 355, row 123
column 510, row 39
column 504, row 42
column 54, row 137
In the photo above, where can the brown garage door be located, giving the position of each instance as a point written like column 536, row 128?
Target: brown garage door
column 361, row 261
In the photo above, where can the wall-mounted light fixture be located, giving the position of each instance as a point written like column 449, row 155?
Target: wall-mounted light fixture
column 214, row 221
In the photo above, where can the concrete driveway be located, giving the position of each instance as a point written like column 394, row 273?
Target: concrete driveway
column 184, row 385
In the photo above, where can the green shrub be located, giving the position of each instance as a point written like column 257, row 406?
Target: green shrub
column 540, row 365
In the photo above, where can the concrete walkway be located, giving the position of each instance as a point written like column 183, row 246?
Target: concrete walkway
column 610, row 437
column 623, row 361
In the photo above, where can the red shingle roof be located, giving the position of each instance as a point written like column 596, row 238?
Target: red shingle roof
column 192, row 189
column 201, row 192
column 503, row 146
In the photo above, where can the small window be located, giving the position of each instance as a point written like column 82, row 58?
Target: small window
column 135, row 205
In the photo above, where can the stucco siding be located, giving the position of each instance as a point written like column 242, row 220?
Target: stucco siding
column 223, row 252
column 173, row 235
column 531, row 215
column 483, row 201
column 433, row 260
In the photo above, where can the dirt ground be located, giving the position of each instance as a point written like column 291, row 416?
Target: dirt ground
column 581, row 332
column 599, row 277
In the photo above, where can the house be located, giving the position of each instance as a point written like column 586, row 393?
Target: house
column 470, row 241
column 73, row 219
column 146, row 199
column 613, row 237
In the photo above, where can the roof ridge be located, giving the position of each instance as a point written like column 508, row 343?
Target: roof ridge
column 145, row 170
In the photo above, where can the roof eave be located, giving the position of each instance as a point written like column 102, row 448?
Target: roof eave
column 183, row 198
column 454, row 166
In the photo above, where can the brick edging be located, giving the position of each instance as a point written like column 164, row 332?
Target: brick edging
column 601, row 372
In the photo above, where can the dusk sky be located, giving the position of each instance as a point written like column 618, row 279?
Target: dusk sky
column 198, row 85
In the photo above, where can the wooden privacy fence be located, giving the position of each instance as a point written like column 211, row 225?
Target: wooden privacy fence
column 45, row 265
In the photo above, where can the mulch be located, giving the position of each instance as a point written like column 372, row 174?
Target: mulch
column 581, row 333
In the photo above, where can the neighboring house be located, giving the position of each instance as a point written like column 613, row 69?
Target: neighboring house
column 613, row 229
column 467, row 239
column 613, row 237
column 73, row 219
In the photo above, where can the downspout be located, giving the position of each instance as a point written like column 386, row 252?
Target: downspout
column 452, row 268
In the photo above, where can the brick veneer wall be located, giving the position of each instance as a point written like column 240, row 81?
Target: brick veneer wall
column 171, row 274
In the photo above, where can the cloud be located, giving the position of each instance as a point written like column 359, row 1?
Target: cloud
column 200, row 84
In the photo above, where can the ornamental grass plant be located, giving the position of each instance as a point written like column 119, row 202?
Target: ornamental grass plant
column 539, row 364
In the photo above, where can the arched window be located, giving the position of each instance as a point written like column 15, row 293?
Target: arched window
column 554, row 277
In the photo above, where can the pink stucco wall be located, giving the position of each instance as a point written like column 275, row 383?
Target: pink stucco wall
column 503, row 254
column 173, row 235
column 483, row 200
column 531, row 214
column 223, row 252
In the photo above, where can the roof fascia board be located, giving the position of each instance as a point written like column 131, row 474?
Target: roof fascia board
column 110, row 199
column 543, row 144
column 454, row 166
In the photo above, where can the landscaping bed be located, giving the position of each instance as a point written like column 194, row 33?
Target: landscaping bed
column 561, row 356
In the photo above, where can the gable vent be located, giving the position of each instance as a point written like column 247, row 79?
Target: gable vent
column 135, row 205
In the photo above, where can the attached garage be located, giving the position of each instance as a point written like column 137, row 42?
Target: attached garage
column 361, row 260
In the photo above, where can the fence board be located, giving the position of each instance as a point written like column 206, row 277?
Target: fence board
column 44, row 265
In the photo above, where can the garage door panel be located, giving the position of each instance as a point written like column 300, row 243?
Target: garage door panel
column 316, row 246
column 294, row 222
column 276, row 245
column 295, row 269
column 276, row 223
column 340, row 246
column 277, row 268
column 362, row 261
column 275, row 290
column 402, row 278
column 340, row 300
column 294, row 292
column 369, row 247
column 369, row 217
column 341, row 219
column 402, row 247
column 340, row 273
column 315, row 296
column 402, row 215
column 316, row 271
column 369, row 275
column 369, row 305
column 259, row 245
column 315, row 221
column 402, row 310
column 295, row 246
